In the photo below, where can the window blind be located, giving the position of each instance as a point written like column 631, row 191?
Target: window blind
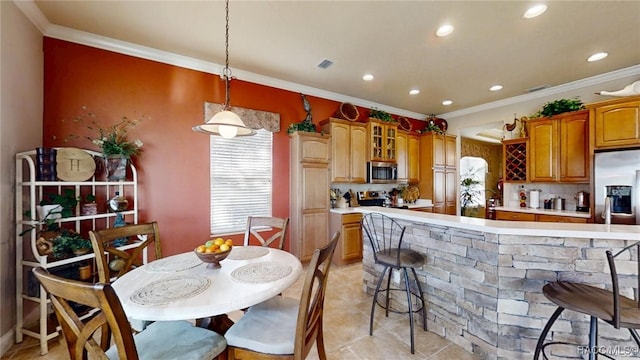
column 241, row 173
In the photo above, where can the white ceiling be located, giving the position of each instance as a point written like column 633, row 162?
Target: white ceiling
column 394, row 40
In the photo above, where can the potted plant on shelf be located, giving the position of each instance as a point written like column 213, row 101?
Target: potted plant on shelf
column 89, row 207
column 559, row 106
column 70, row 243
column 117, row 150
column 381, row 115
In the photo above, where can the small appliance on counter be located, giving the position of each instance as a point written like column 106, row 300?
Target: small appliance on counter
column 582, row 201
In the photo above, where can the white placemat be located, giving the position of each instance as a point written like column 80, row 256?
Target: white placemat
column 171, row 264
column 247, row 252
column 260, row 272
column 169, row 290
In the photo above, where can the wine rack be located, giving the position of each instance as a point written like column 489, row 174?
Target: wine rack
column 515, row 160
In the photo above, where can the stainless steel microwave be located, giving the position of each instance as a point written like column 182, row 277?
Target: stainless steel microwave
column 379, row 172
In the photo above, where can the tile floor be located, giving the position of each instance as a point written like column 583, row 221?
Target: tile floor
column 346, row 328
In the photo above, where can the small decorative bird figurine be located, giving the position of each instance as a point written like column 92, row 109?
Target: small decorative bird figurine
column 307, row 108
column 629, row 90
column 512, row 126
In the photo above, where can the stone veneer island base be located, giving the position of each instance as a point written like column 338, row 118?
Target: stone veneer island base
column 483, row 280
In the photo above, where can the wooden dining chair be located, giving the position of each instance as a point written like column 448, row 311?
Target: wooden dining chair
column 255, row 223
column 93, row 337
column 284, row 327
column 106, row 243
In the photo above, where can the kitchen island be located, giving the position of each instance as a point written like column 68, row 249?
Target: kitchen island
column 483, row 278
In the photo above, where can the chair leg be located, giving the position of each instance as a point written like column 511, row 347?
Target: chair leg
column 386, row 303
column 634, row 335
column 375, row 297
column 593, row 338
column 409, row 304
column 322, row 355
column 545, row 331
column 424, row 308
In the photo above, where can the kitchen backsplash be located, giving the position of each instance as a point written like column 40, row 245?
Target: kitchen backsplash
column 548, row 190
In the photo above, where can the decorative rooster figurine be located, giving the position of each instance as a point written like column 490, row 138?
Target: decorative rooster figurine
column 512, row 126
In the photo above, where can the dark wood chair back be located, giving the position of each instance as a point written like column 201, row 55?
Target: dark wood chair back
column 255, row 223
column 110, row 322
column 385, row 235
column 309, row 323
column 105, row 244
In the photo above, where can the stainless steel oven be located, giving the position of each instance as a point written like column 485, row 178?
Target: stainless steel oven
column 379, row 172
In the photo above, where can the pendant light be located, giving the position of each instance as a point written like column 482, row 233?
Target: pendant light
column 225, row 123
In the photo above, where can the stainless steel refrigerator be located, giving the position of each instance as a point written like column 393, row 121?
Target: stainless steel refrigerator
column 617, row 175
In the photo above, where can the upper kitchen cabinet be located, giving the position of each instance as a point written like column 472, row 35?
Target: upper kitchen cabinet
column 348, row 150
column 438, row 165
column 382, row 140
column 408, row 157
column 616, row 123
column 559, row 148
column 514, row 153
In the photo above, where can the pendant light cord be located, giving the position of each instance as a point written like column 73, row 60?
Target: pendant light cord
column 226, row 71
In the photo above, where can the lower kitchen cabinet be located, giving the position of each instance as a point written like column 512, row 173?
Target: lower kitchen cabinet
column 349, row 249
column 520, row 216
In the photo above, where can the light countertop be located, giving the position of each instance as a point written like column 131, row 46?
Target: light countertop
column 576, row 230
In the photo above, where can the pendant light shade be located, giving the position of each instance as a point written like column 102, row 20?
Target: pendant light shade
column 225, row 123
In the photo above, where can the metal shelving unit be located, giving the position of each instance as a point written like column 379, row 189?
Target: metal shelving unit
column 29, row 193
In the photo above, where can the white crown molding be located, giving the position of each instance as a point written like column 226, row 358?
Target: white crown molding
column 574, row 85
column 33, row 13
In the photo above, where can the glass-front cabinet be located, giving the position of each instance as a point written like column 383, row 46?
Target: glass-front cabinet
column 382, row 140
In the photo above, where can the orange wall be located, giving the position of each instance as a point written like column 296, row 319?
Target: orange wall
column 174, row 166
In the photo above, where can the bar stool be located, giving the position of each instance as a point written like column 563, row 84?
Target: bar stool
column 606, row 305
column 385, row 235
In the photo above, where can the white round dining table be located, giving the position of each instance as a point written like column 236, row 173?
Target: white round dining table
column 181, row 287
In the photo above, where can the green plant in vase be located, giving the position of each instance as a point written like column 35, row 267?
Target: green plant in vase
column 381, row 115
column 69, row 243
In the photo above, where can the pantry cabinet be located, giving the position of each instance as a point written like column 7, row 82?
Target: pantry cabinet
column 408, row 157
column 309, row 198
column 348, row 150
column 558, row 148
column 381, row 140
column 616, row 123
column 438, row 177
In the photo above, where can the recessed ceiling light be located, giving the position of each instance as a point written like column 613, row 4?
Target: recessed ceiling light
column 367, row 77
column 447, row 102
column 597, row 56
column 496, row 87
column 414, row 92
column 444, row 30
column 534, row 11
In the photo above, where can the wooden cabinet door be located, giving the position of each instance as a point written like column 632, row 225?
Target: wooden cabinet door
column 402, row 152
column 450, row 151
column 574, row 147
column 315, row 149
column 358, row 154
column 515, row 216
column 351, row 238
column 543, row 150
column 451, row 191
column 558, row 218
column 340, row 152
column 439, row 150
column 439, row 190
column 391, row 132
column 413, row 156
column 376, row 141
column 617, row 125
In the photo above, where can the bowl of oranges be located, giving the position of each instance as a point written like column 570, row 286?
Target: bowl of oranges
column 214, row 251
